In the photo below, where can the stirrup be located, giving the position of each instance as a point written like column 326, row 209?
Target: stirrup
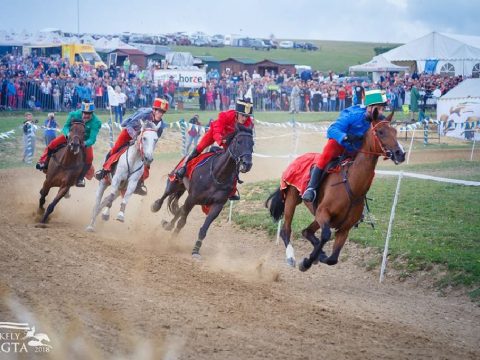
column 309, row 195
column 81, row 182
column 40, row 166
column 181, row 172
column 100, row 174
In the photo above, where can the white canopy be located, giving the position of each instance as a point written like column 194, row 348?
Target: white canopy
column 456, row 54
column 378, row 64
column 106, row 46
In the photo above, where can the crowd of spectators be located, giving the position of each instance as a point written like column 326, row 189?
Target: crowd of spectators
column 52, row 84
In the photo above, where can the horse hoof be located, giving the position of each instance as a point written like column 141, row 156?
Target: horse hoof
column 323, row 258
column 67, row 195
column 120, row 218
column 90, row 228
column 155, row 207
column 302, row 267
column 166, row 225
column 291, row 262
column 196, row 256
column 105, row 217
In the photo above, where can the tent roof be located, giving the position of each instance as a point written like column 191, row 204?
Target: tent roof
column 378, row 64
column 129, row 52
column 104, row 45
column 437, row 46
column 467, row 88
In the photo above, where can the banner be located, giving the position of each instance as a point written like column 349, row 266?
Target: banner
column 189, row 78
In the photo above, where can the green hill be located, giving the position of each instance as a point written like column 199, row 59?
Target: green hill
column 332, row 55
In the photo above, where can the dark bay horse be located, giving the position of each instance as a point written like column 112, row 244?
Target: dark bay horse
column 341, row 196
column 64, row 167
column 210, row 184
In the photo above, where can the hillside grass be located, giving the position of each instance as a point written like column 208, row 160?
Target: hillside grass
column 436, row 225
column 332, row 55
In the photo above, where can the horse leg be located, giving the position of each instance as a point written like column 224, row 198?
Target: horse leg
column 340, row 238
column 290, row 205
column 107, row 203
column 215, row 210
column 184, row 211
column 43, row 194
column 132, row 185
column 322, row 218
column 309, row 234
column 61, row 192
column 169, row 225
column 96, row 209
column 170, row 189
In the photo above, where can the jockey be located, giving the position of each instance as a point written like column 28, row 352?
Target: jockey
column 92, row 127
column 131, row 129
column 346, row 133
column 219, row 130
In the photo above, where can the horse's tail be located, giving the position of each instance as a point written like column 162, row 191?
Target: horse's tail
column 172, row 201
column 276, row 205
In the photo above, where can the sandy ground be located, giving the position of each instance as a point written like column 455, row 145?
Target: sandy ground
column 132, row 290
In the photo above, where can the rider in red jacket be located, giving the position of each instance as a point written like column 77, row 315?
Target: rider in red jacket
column 219, row 130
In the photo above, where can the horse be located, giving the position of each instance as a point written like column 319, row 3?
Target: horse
column 337, row 207
column 128, row 172
column 210, row 184
column 64, row 168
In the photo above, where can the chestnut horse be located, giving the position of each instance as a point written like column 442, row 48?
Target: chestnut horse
column 341, row 196
column 210, row 185
column 64, row 167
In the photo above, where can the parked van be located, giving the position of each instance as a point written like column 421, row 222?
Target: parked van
column 82, row 54
column 286, row 44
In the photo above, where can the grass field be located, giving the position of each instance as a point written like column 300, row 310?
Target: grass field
column 436, row 224
column 332, row 55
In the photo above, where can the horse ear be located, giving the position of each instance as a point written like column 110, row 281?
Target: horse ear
column 390, row 117
column 158, row 126
column 142, row 123
column 375, row 114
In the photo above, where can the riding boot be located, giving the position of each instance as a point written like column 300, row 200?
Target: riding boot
column 81, row 177
column 313, row 184
column 183, row 169
column 100, row 174
column 141, row 188
column 42, row 165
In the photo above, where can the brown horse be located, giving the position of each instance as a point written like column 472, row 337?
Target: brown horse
column 341, row 196
column 64, row 167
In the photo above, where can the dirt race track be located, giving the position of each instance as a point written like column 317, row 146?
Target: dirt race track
column 132, row 291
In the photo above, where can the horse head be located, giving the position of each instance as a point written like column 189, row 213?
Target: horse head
column 240, row 147
column 76, row 136
column 382, row 139
column 147, row 140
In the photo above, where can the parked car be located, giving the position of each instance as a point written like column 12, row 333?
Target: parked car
column 201, row 42
column 217, row 41
column 259, row 45
column 309, row 46
column 286, row 44
column 273, row 44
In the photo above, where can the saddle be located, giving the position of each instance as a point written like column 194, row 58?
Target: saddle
column 198, row 161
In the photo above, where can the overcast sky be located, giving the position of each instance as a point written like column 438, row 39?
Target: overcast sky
column 395, row 21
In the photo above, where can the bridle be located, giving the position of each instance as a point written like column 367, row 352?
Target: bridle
column 238, row 158
column 378, row 148
column 139, row 146
column 77, row 137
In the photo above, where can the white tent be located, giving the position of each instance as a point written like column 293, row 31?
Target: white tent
column 459, row 109
column 455, row 54
column 378, row 65
column 106, row 46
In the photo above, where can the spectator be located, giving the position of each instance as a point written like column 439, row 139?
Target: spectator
column 193, row 133
column 29, row 129
column 50, row 127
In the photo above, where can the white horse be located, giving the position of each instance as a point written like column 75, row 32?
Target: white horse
column 128, row 173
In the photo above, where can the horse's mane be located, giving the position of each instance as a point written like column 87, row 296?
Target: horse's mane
column 238, row 129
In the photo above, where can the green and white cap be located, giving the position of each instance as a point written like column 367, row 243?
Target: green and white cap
column 375, row 97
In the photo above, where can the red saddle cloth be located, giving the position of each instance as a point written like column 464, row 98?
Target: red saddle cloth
column 297, row 173
column 192, row 165
column 112, row 160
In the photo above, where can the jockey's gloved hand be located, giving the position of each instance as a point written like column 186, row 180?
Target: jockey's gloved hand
column 215, row 148
column 350, row 138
